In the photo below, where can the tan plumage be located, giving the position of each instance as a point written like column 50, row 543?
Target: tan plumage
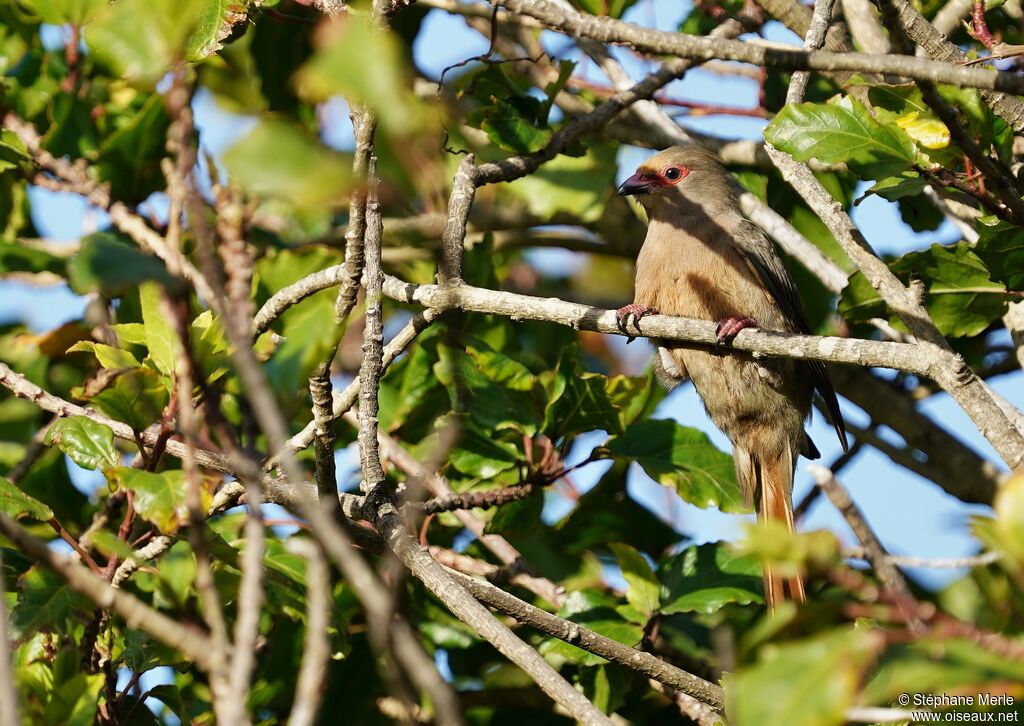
column 702, row 259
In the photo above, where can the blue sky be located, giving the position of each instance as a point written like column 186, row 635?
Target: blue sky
column 911, row 515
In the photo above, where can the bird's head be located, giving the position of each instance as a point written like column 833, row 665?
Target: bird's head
column 684, row 179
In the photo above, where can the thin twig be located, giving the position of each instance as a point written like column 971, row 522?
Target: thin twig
column 316, row 651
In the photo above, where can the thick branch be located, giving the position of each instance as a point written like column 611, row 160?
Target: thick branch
column 699, row 48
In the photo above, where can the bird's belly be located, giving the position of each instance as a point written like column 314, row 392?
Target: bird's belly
column 756, row 403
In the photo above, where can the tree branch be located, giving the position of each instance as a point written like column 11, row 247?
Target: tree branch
column 698, row 48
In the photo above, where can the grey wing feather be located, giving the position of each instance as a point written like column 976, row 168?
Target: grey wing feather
column 761, row 254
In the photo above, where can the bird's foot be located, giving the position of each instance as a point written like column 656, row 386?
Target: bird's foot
column 729, row 328
column 637, row 312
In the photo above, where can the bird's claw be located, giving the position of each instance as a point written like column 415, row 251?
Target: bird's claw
column 637, row 312
column 729, row 328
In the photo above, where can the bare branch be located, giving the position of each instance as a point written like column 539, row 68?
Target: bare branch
column 939, row 563
column 316, row 652
column 583, row 637
column 813, row 40
column 698, row 48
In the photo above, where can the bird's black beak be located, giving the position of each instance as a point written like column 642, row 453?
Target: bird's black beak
column 636, row 184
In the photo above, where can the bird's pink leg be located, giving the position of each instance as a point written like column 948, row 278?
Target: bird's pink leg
column 637, row 312
column 730, row 327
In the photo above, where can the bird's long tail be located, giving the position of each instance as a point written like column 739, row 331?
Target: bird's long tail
column 770, row 484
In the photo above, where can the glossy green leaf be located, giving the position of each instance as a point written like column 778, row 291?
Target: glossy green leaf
column 578, row 400
column 842, row 132
column 683, row 458
column 704, row 578
column 160, row 498
column 19, row 257
column 959, row 294
column 643, row 592
column 805, row 683
column 89, row 443
column 277, row 160
column 16, row 503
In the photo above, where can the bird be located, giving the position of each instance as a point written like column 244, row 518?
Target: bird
column 703, row 259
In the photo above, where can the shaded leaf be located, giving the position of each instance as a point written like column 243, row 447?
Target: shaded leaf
column 279, row 161
column 1001, row 247
column 136, row 397
column 806, row 683
column 15, row 503
column 704, row 578
column 578, row 400
column 45, row 602
column 109, row 263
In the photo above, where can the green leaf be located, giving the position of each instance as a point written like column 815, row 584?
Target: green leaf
column 579, row 185
column 1001, row 247
column 161, row 499
column 75, row 701
column 162, row 341
column 608, row 514
column 15, row 503
column 704, row 578
column 109, row 263
column 341, row 67
column 806, row 683
column 596, row 611
column 520, row 518
column 308, row 327
column 1005, row 532
column 278, row 161
column 579, row 401
column 45, row 602
column 683, row 458
column 942, row 665
column 842, row 132
column 477, row 453
column 643, row 593
column 89, row 443
column 61, row 12
column 136, row 397
column 19, row 257
column 960, row 296
column 129, row 158
column 141, row 39
column 611, row 8
column 107, row 356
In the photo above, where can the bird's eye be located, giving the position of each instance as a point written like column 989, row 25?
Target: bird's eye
column 673, row 174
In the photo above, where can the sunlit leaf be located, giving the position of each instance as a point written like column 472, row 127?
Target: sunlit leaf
column 683, row 458
column 643, row 592
column 160, row 498
column 89, row 443
column 842, row 133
